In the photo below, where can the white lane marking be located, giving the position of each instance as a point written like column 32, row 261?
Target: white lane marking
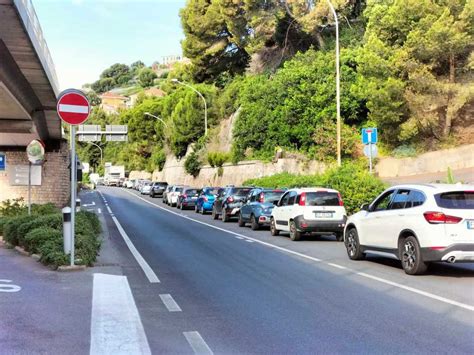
column 89, row 204
column 8, row 288
column 240, row 238
column 197, row 343
column 395, row 284
column 150, row 274
column 170, row 303
column 249, row 241
column 99, row 210
column 116, row 327
column 73, row 108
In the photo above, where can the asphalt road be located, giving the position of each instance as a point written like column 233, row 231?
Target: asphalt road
column 240, row 291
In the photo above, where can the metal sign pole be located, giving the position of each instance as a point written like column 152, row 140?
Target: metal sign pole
column 29, row 189
column 370, row 158
column 73, row 188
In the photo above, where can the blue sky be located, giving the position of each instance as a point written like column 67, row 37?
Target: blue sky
column 87, row 36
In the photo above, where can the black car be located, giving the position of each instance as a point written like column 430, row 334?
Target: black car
column 188, row 198
column 228, row 202
column 157, row 189
column 258, row 207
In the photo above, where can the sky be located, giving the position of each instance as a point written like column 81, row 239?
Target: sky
column 87, row 36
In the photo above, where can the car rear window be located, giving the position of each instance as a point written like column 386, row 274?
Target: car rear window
column 458, row 200
column 322, row 198
column 191, row 191
column 179, row 189
column 240, row 192
column 270, row 196
column 212, row 191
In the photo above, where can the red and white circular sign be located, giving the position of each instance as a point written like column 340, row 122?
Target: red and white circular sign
column 73, row 107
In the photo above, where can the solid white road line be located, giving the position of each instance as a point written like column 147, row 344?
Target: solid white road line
column 197, row 343
column 170, row 303
column 116, row 327
column 99, row 210
column 288, row 251
column 150, row 274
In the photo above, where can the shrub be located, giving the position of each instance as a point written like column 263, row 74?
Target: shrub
column 52, row 253
column 10, row 229
column 54, row 221
column 39, row 236
column 10, row 208
column 217, row 159
column 352, row 180
column 192, row 164
column 43, row 209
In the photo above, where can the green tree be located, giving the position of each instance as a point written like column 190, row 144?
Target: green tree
column 146, row 77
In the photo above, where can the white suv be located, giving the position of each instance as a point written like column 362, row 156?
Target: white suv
column 173, row 195
column 416, row 224
column 309, row 210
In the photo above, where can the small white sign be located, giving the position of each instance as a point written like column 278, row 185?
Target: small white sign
column 18, row 175
column 367, row 148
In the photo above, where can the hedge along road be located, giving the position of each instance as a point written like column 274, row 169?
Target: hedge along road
column 245, row 296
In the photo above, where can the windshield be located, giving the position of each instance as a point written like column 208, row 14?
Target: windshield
column 179, row 189
column 271, row 196
column 322, row 198
column 456, row 200
column 211, row 191
column 241, row 191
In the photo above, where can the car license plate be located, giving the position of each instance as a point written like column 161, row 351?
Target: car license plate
column 323, row 214
column 470, row 224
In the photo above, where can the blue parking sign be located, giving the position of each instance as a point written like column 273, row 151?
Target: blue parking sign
column 369, row 135
column 2, row 161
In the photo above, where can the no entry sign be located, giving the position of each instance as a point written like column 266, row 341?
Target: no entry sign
column 73, row 107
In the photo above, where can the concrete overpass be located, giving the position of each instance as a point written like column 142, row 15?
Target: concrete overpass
column 28, row 92
column 28, row 82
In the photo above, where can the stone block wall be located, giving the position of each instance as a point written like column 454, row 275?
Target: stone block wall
column 55, row 184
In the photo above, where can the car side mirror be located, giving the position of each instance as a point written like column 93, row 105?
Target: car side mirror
column 276, row 202
column 365, row 207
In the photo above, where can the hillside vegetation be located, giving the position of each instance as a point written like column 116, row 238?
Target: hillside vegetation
column 406, row 68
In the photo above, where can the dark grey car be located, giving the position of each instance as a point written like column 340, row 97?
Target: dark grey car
column 258, row 207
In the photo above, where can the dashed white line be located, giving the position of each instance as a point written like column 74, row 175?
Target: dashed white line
column 197, row 343
column 99, row 210
column 170, row 303
column 249, row 241
column 288, row 251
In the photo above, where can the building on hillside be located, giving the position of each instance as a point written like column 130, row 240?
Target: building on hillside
column 112, row 102
column 151, row 92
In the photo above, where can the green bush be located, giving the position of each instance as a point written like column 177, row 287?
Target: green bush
column 217, row 159
column 43, row 209
column 352, row 180
column 54, row 221
column 192, row 164
column 39, row 236
column 10, row 208
column 52, row 253
column 11, row 228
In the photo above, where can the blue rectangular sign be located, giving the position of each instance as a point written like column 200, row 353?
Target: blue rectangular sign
column 369, row 135
column 2, row 161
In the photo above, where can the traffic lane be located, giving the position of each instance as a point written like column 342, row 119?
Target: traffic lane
column 452, row 281
column 49, row 313
column 163, row 329
column 245, row 297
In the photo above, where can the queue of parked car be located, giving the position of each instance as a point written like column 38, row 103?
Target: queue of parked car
column 417, row 224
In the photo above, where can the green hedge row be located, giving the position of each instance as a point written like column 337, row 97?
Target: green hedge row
column 42, row 234
column 352, row 180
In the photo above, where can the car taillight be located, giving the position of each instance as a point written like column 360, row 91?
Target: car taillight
column 185, row 196
column 441, row 218
column 261, row 198
column 205, row 198
column 302, row 199
column 230, row 199
column 341, row 202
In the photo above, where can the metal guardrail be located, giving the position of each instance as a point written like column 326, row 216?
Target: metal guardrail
column 33, row 28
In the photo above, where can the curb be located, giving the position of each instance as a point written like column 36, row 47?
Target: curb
column 22, row 251
column 70, row 268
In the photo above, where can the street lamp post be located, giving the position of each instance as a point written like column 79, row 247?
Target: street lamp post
column 338, row 86
column 156, row 117
column 203, row 99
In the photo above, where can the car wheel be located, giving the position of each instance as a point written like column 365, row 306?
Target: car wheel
column 203, row 212
column 254, row 223
column 214, row 213
column 241, row 221
column 294, row 234
column 224, row 216
column 152, row 195
column 274, row 232
column 339, row 236
column 354, row 251
column 410, row 255
column 196, row 209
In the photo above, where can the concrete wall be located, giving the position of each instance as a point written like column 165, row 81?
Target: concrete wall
column 54, row 180
column 438, row 161
column 432, row 162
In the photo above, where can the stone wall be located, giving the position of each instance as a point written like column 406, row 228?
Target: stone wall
column 55, row 185
column 438, row 161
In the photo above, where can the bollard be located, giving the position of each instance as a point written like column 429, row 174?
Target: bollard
column 78, row 205
column 67, row 229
